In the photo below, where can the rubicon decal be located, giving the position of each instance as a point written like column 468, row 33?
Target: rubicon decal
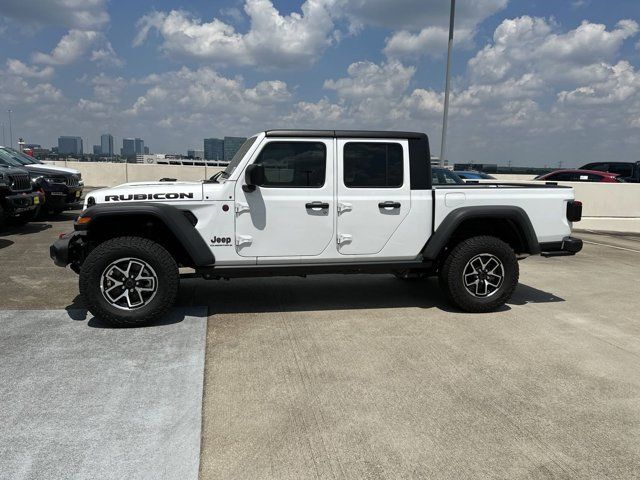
column 148, row 196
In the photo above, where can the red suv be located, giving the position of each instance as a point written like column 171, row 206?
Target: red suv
column 581, row 176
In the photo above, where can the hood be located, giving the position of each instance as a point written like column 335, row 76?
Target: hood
column 166, row 192
column 55, row 169
column 46, row 170
column 7, row 169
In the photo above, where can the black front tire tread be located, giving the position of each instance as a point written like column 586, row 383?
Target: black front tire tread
column 129, row 246
column 451, row 273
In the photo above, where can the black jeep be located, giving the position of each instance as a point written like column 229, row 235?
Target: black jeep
column 19, row 202
column 62, row 190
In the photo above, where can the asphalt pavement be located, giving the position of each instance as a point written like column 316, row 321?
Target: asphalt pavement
column 80, row 400
column 371, row 377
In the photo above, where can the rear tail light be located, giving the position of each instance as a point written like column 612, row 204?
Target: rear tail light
column 574, row 211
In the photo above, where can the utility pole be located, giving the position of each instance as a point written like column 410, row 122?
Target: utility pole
column 10, row 128
column 447, row 86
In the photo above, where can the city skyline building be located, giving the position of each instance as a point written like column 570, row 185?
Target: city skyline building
column 196, row 154
column 106, row 144
column 213, row 149
column 68, row 145
column 128, row 147
column 132, row 147
column 139, row 146
column 231, row 146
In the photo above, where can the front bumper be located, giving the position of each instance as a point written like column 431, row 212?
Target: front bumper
column 568, row 246
column 65, row 198
column 68, row 249
column 21, row 203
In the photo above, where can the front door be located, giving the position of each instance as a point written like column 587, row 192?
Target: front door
column 374, row 194
column 292, row 214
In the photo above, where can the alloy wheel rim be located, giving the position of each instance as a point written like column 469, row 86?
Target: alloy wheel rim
column 128, row 283
column 483, row 275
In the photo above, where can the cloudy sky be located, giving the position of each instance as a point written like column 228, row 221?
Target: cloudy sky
column 535, row 82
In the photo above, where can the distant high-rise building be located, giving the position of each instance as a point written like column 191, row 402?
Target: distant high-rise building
column 106, row 144
column 213, row 149
column 146, row 150
column 197, row 154
column 128, row 147
column 231, row 146
column 97, row 149
column 139, row 146
column 70, row 146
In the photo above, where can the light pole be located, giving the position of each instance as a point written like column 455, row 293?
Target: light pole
column 4, row 142
column 10, row 128
column 445, row 116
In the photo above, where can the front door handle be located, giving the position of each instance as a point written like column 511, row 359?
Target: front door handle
column 317, row 206
column 389, row 205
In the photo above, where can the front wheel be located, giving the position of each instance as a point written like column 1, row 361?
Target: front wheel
column 480, row 274
column 129, row 281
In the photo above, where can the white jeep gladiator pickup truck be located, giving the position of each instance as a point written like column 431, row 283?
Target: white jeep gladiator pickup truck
column 300, row 202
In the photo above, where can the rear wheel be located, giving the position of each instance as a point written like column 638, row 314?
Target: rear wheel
column 129, row 281
column 480, row 274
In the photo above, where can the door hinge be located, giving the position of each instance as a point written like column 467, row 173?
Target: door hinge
column 344, row 207
column 243, row 239
column 344, row 238
column 242, row 207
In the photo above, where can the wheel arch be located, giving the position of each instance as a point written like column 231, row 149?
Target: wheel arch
column 171, row 227
column 508, row 223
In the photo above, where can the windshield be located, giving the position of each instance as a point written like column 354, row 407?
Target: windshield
column 242, row 151
column 7, row 159
column 23, row 158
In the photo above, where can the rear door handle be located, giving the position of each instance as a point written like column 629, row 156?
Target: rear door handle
column 317, row 205
column 389, row 205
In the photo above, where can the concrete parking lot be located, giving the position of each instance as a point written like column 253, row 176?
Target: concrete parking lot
column 371, row 377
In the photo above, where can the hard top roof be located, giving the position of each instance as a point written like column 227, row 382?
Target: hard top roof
column 344, row 134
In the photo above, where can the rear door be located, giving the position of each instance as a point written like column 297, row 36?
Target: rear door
column 373, row 193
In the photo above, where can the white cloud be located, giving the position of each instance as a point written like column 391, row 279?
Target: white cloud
column 415, row 14
column 580, row 3
column 370, row 96
column 530, row 44
column 78, row 14
column 16, row 91
column 370, row 80
column 424, row 25
column 273, row 40
column 298, row 39
column 70, row 48
column 201, row 100
column 16, row 67
column 106, row 56
column 430, row 41
column 621, row 85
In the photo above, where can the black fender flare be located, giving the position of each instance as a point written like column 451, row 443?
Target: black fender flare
column 172, row 217
column 453, row 220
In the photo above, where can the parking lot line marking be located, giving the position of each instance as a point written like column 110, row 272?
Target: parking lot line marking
column 612, row 246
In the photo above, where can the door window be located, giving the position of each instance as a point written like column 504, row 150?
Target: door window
column 373, row 165
column 622, row 169
column 294, row 164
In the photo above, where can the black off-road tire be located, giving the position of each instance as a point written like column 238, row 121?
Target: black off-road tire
column 152, row 253
column 24, row 218
column 451, row 274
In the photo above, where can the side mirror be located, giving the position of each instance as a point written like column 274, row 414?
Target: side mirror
column 253, row 177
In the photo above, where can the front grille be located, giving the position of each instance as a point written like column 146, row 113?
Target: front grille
column 72, row 181
column 20, row 182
